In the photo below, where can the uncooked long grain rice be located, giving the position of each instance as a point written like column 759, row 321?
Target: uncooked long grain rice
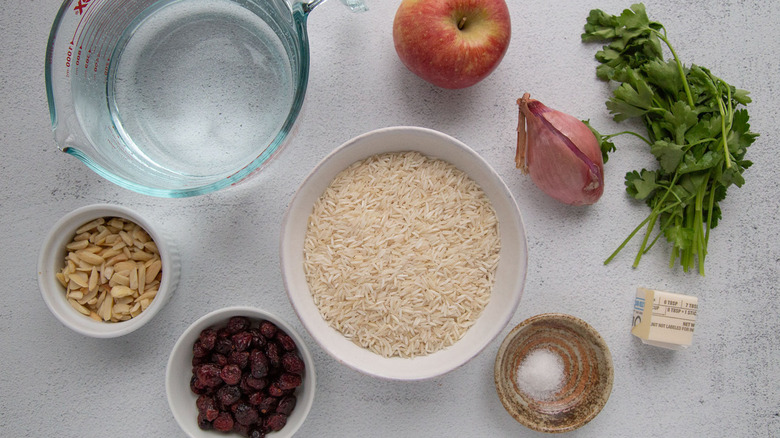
column 400, row 253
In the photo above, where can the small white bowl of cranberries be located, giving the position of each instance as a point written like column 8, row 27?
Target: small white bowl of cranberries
column 240, row 371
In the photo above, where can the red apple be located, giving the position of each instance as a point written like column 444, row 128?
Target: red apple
column 451, row 43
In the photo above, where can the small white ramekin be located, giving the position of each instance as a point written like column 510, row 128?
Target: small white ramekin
column 52, row 258
column 178, row 373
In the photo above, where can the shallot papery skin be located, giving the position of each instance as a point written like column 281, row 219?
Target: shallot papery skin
column 560, row 152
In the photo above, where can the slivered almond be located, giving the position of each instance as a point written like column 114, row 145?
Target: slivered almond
column 111, row 270
column 62, row 279
column 148, row 295
column 121, row 309
column 105, row 308
column 77, row 244
column 141, row 256
column 141, row 277
column 126, row 238
column 79, row 278
column 89, row 257
column 120, row 291
column 134, row 278
column 108, row 253
column 125, row 266
column 116, row 259
column 76, row 294
column 116, row 223
column 152, row 271
column 119, row 279
column 89, row 296
column 94, row 277
column 90, row 225
column 83, row 310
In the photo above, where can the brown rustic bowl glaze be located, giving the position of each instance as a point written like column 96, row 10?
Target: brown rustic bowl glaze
column 588, row 372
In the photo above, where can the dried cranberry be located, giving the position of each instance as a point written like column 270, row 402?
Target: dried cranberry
column 275, row 390
column 231, row 374
column 267, row 405
column 224, row 346
column 240, row 429
column 208, row 407
column 198, row 361
column 258, row 340
column 208, row 375
column 207, row 338
column 240, row 358
column 196, row 387
column 246, row 414
column 287, row 342
column 255, row 398
column 198, row 350
column 289, row 381
column 227, row 395
column 241, row 341
column 203, row 423
column 224, row 422
column 272, row 352
column 258, row 363
column 286, row 405
column 275, row 422
column 292, row 363
column 219, row 360
column 255, row 383
column 268, row 329
column 237, row 324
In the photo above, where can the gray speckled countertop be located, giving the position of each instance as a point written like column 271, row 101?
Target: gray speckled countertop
column 56, row 382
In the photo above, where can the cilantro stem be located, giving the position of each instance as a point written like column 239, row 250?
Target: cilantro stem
column 680, row 68
column 650, row 228
column 628, row 239
column 607, row 137
column 726, row 152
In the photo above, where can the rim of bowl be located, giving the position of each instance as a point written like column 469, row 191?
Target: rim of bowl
column 320, row 331
column 590, row 333
column 52, row 254
column 181, row 357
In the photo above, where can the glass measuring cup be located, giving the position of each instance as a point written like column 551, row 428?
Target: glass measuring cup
column 176, row 98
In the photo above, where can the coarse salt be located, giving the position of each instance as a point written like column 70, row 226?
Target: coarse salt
column 540, row 374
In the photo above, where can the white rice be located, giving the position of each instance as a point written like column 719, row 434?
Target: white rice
column 400, row 253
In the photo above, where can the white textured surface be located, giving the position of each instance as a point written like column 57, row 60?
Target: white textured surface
column 54, row 381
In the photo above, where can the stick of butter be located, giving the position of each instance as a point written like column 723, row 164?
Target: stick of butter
column 664, row 319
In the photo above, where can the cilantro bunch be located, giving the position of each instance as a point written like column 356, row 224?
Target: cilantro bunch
column 694, row 129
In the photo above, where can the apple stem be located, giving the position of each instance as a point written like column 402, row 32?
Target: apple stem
column 462, row 23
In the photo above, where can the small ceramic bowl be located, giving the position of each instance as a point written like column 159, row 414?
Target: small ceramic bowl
column 510, row 272
column 586, row 373
column 178, row 373
column 51, row 260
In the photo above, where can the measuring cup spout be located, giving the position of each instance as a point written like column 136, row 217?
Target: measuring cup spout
column 353, row 5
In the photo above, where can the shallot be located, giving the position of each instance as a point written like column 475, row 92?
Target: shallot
column 560, row 152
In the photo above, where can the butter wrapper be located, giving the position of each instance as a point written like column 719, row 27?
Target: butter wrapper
column 664, row 319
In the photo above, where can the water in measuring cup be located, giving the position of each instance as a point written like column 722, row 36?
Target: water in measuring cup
column 200, row 87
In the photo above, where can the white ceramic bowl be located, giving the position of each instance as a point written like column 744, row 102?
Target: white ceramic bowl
column 178, row 373
column 510, row 274
column 52, row 259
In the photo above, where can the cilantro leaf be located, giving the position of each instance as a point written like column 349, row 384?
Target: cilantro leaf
column 641, row 184
column 678, row 119
column 669, row 155
column 630, row 102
